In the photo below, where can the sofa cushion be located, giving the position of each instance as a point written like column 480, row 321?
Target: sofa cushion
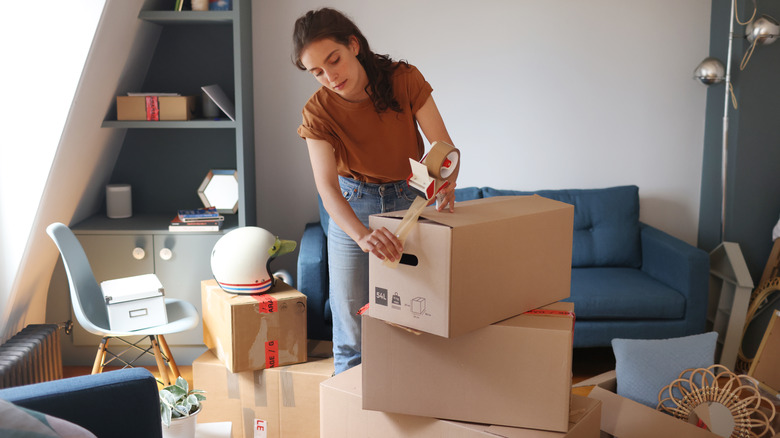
column 622, row 293
column 19, row 422
column 644, row 366
column 606, row 223
column 467, row 194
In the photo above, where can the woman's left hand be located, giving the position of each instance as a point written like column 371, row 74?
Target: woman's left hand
column 446, row 197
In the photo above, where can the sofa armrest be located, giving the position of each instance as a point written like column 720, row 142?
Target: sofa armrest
column 681, row 266
column 313, row 281
column 122, row 403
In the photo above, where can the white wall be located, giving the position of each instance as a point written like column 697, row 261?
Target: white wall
column 536, row 94
column 43, row 62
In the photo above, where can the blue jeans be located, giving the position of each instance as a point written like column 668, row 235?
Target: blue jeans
column 348, row 264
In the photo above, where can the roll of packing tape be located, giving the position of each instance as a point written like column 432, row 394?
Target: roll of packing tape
column 443, row 161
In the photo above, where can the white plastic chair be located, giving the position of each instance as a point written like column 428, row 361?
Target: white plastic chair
column 90, row 309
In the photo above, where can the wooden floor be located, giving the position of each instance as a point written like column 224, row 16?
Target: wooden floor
column 586, row 363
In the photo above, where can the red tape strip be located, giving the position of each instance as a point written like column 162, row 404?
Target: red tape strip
column 266, row 303
column 271, row 354
column 152, row 108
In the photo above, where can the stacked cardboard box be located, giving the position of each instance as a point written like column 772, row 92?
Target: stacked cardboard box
column 253, row 332
column 344, row 417
column 269, row 403
column 478, row 339
column 257, row 372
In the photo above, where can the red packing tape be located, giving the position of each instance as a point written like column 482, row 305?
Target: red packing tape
column 266, row 303
column 152, row 108
column 271, row 354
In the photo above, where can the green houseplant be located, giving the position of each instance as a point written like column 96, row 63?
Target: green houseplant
column 179, row 401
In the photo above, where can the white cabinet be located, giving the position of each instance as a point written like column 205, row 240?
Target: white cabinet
column 181, row 261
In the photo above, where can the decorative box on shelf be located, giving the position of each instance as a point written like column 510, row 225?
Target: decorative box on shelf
column 155, row 107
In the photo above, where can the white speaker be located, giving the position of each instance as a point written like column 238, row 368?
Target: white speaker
column 119, row 201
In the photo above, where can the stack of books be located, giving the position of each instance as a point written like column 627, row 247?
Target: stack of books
column 199, row 219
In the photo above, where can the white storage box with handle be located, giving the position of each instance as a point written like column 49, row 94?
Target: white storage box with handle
column 135, row 303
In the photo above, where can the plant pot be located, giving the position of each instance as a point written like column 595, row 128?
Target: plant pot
column 183, row 427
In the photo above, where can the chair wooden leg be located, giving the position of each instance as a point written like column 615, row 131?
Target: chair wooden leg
column 167, row 352
column 160, row 362
column 97, row 366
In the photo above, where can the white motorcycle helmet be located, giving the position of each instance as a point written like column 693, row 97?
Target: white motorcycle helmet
column 240, row 260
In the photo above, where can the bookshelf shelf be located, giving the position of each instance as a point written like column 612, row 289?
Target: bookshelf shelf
column 166, row 161
column 189, row 124
column 187, row 17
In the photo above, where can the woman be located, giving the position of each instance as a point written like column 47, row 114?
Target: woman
column 361, row 129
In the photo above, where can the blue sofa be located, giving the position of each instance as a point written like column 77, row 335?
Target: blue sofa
column 117, row 404
column 629, row 279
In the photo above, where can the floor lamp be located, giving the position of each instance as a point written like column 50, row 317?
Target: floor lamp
column 761, row 31
column 730, row 281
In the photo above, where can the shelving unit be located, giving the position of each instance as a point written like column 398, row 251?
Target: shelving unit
column 730, row 288
column 166, row 161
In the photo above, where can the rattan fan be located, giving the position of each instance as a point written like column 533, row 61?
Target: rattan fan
column 709, row 395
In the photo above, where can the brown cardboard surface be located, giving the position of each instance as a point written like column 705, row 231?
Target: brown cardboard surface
column 342, row 416
column 516, row 372
column 259, row 391
column 772, row 268
column 492, row 259
column 223, row 410
column 229, row 395
column 171, row 107
column 626, row 418
column 766, row 364
column 299, row 402
column 245, row 337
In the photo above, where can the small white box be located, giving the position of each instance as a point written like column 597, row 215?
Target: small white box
column 134, row 303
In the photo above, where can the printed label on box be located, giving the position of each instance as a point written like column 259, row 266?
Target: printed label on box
column 271, row 354
column 261, row 427
column 266, row 303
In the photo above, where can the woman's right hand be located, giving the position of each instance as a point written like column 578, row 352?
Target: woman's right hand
column 381, row 243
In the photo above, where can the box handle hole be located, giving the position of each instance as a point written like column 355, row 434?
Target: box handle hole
column 408, row 259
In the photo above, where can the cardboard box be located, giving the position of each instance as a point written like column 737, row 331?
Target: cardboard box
column 282, row 401
column 299, row 404
column 765, row 365
column 625, row 418
column 772, row 268
column 516, row 372
column 342, row 416
column 252, row 332
column 495, row 258
column 227, row 393
column 134, row 303
column 170, row 108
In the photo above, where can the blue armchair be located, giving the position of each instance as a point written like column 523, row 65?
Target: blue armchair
column 117, row 404
column 629, row 279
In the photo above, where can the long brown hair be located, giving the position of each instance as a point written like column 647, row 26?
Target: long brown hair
column 330, row 23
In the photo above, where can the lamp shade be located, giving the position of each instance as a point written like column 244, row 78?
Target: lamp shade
column 710, row 71
column 763, row 30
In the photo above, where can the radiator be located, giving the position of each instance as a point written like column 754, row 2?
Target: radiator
column 31, row 356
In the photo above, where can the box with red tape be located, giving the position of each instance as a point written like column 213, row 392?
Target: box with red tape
column 253, row 332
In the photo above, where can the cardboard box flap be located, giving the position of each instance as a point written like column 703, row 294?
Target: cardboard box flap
column 625, row 418
column 486, row 210
column 606, row 380
column 133, row 288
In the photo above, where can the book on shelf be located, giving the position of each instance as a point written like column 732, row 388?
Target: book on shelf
column 199, row 214
column 202, row 225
